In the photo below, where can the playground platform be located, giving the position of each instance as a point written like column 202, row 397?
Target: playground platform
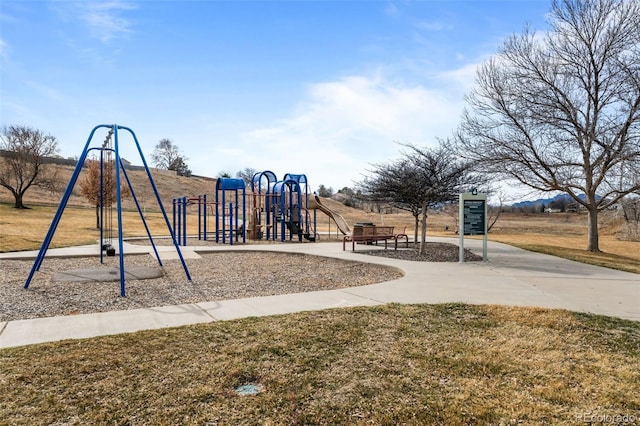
column 512, row 277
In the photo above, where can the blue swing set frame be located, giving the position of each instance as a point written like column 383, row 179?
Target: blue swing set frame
column 114, row 128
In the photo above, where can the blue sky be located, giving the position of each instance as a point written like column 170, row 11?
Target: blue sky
column 323, row 88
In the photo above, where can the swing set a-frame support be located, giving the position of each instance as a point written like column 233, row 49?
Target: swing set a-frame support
column 114, row 128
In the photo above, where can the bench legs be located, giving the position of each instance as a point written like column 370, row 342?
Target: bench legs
column 370, row 240
column 402, row 236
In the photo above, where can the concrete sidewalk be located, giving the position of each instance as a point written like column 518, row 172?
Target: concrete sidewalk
column 511, row 277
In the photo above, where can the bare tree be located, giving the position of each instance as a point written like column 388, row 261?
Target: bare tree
column 630, row 209
column 325, row 192
column 246, row 175
column 423, row 178
column 24, row 161
column 166, row 155
column 391, row 183
column 180, row 166
column 562, row 112
column 90, row 186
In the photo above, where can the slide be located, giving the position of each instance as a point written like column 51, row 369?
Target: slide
column 339, row 220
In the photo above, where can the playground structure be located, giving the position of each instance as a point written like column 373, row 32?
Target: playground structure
column 271, row 210
column 109, row 160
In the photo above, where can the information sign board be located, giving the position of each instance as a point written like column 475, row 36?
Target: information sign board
column 474, row 217
column 473, row 220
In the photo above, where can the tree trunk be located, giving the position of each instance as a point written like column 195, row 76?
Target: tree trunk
column 594, row 244
column 18, row 197
column 98, row 217
column 423, row 228
column 415, row 228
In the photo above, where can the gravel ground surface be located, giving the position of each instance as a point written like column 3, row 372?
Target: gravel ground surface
column 217, row 276
column 434, row 252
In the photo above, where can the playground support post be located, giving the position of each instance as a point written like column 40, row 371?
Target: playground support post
column 204, row 215
column 184, row 221
column 123, row 291
column 230, row 224
column 199, row 218
column 178, row 216
column 101, row 207
column 174, row 212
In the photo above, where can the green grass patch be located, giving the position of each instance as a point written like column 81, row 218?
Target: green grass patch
column 448, row 364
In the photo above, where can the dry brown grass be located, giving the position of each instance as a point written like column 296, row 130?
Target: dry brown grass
column 562, row 235
column 25, row 229
column 423, row 364
column 615, row 254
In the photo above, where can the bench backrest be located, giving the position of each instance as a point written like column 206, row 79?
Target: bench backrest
column 372, row 231
column 383, row 230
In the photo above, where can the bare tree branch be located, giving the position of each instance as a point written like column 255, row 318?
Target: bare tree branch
column 562, row 113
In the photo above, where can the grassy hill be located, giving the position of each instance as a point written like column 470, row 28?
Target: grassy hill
column 169, row 186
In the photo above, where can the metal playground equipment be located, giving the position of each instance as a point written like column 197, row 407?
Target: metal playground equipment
column 272, row 210
column 180, row 216
column 230, row 202
column 109, row 157
column 292, row 211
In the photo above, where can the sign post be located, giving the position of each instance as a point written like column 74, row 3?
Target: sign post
column 473, row 220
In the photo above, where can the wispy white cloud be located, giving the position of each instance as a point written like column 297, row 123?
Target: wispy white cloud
column 433, row 26
column 105, row 20
column 342, row 127
column 44, row 91
column 462, row 79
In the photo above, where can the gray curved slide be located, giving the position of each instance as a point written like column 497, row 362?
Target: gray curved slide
column 339, row 220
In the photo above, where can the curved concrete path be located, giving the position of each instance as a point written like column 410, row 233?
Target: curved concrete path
column 511, row 277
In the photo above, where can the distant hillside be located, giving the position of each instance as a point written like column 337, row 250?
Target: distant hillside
column 169, row 186
column 565, row 198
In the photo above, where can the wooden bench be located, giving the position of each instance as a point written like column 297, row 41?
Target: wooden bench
column 371, row 234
